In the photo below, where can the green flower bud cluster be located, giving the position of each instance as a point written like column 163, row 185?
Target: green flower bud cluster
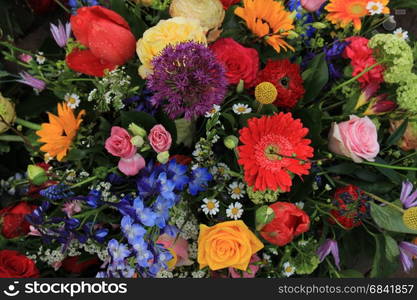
column 262, row 197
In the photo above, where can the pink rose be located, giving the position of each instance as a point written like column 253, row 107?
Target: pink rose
column 356, row 138
column 131, row 166
column 118, row 144
column 179, row 246
column 160, row 139
column 253, row 269
column 312, row 5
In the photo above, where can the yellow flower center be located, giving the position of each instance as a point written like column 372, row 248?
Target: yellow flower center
column 241, row 109
column 72, row 100
column 236, row 191
column 235, row 211
column 410, row 218
column 288, row 269
column 375, row 7
column 266, row 93
column 357, row 9
column 211, row 205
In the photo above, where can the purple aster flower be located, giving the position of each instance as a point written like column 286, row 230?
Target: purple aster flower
column 29, row 80
column 407, row 252
column 329, row 246
column 187, row 80
column 408, row 199
column 61, row 33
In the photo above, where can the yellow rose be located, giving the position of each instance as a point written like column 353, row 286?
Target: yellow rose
column 210, row 13
column 227, row 244
column 7, row 112
column 166, row 32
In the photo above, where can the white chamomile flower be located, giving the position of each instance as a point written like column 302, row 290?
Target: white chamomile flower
column 299, row 204
column 234, row 211
column 72, row 100
column 401, row 33
column 215, row 109
column 375, row 7
column 215, row 139
column 302, row 243
column 237, row 190
column 288, row 269
column 210, row 206
column 40, row 58
column 241, row 109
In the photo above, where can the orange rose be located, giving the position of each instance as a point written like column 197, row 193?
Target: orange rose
column 227, row 244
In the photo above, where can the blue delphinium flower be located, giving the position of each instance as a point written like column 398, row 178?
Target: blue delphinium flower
column 143, row 255
column 178, row 174
column 118, row 252
column 145, row 215
column 56, row 192
column 37, row 216
column 200, row 179
column 333, row 53
column 130, row 230
column 141, row 102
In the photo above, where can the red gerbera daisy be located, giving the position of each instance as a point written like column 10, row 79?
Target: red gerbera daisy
column 287, row 79
column 273, row 149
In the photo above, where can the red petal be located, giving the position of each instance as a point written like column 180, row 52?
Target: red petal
column 85, row 62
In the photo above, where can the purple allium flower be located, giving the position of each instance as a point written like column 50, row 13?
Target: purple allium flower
column 329, row 246
column 61, row 33
column 28, row 79
column 408, row 199
column 407, row 252
column 187, row 80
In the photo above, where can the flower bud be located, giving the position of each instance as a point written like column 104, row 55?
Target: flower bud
column 137, row 130
column 263, row 216
column 231, row 142
column 137, row 140
column 380, row 105
column 36, row 174
column 163, row 157
column 7, row 112
column 240, row 87
column 318, row 25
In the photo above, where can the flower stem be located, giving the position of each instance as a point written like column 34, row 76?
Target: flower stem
column 379, row 199
column 81, row 183
column 389, row 166
column 11, row 138
column 62, row 6
column 28, row 124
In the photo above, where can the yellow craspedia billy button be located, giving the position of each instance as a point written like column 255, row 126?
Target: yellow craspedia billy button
column 410, row 218
column 266, row 93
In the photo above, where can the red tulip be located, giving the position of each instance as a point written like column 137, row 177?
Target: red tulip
column 106, row 35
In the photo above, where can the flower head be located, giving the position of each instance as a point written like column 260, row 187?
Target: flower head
column 210, row 206
column 273, row 149
column 241, row 109
column 288, row 269
column 234, row 211
column 401, row 33
column 187, row 80
column 29, row 80
column 407, row 252
column 237, row 190
column 268, row 19
column 345, row 12
column 286, row 78
column 73, row 100
column 61, row 33
column 59, row 133
column 266, row 93
column 329, row 246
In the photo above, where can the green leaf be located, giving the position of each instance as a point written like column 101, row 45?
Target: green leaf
column 311, row 119
column 386, row 256
column 138, row 117
column 397, row 134
column 306, row 264
column 389, row 218
column 403, row 4
column 394, row 176
column 343, row 168
column 263, row 216
column 350, row 274
column 315, row 77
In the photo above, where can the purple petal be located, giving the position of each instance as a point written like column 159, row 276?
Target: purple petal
column 324, row 250
column 407, row 187
column 335, row 253
column 406, row 261
column 409, row 248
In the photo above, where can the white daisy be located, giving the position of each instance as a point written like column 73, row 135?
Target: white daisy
column 234, row 211
column 210, row 206
column 40, row 58
column 237, row 190
column 374, row 7
column 241, row 109
column 288, row 269
column 72, row 100
column 299, row 204
column 401, row 33
column 213, row 111
column 220, row 171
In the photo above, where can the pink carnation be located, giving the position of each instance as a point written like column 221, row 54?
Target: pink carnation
column 356, row 138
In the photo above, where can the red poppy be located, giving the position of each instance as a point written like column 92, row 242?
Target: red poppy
column 274, row 148
column 286, row 77
column 107, row 36
column 289, row 221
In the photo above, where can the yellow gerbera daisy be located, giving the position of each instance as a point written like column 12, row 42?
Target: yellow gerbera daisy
column 267, row 19
column 59, row 133
column 344, row 12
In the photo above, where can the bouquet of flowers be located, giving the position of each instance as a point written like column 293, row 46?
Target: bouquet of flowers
column 208, row 138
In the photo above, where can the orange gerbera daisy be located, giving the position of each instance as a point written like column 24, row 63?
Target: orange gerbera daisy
column 267, row 19
column 60, row 131
column 344, row 12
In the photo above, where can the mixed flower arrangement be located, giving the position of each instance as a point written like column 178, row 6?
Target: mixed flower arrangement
column 210, row 138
